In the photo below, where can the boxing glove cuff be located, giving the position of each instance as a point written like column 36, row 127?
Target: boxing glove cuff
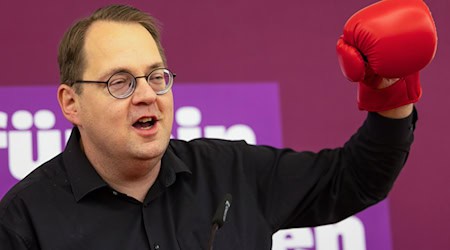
column 405, row 91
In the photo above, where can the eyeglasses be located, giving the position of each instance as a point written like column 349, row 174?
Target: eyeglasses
column 122, row 84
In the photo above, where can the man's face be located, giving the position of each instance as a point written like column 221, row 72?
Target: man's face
column 119, row 128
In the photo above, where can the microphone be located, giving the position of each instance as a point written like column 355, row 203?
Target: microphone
column 219, row 218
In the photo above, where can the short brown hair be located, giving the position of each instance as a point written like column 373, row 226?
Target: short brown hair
column 71, row 58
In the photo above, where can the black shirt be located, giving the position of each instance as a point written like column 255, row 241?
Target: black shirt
column 65, row 204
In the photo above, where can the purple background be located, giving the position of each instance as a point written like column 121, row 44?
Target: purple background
column 229, row 104
column 289, row 42
column 19, row 98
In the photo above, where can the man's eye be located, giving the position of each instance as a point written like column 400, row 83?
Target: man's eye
column 118, row 82
column 157, row 77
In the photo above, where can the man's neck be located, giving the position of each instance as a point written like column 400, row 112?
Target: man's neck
column 135, row 186
column 131, row 177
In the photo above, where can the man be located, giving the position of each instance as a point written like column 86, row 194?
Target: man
column 121, row 183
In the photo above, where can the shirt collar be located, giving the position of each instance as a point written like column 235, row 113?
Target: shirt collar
column 84, row 179
column 82, row 175
column 171, row 165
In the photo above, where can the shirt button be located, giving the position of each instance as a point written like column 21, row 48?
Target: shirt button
column 156, row 246
column 114, row 192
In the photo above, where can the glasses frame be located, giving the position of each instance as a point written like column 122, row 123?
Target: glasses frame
column 134, row 84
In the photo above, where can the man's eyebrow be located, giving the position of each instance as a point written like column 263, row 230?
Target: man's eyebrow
column 155, row 66
column 112, row 71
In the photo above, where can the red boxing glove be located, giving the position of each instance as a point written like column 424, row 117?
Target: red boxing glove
column 388, row 39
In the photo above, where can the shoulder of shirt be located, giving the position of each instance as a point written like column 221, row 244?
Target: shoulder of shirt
column 206, row 147
column 209, row 143
column 45, row 174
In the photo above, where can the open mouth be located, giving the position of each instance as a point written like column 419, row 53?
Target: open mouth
column 145, row 123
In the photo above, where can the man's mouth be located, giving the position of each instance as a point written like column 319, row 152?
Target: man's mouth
column 145, row 123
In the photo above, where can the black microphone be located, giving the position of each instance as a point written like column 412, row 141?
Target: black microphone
column 219, row 218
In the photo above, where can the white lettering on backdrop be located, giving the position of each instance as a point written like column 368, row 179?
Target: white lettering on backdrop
column 19, row 140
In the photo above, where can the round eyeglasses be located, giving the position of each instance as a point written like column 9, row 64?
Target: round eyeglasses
column 122, row 84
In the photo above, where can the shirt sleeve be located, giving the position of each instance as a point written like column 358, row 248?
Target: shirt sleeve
column 304, row 189
column 10, row 240
column 16, row 230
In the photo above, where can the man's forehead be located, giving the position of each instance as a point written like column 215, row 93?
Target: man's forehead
column 103, row 30
column 111, row 44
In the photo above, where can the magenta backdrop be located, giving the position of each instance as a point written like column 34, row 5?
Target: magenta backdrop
column 289, row 42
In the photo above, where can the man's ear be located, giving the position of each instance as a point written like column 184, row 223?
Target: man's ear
column 68, row 101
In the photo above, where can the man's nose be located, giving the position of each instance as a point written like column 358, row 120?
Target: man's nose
column 143, row 92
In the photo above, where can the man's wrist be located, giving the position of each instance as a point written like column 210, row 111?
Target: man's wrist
column 398, row 113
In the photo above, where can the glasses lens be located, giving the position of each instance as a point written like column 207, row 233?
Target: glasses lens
column 160, row 80
column 121, row 85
